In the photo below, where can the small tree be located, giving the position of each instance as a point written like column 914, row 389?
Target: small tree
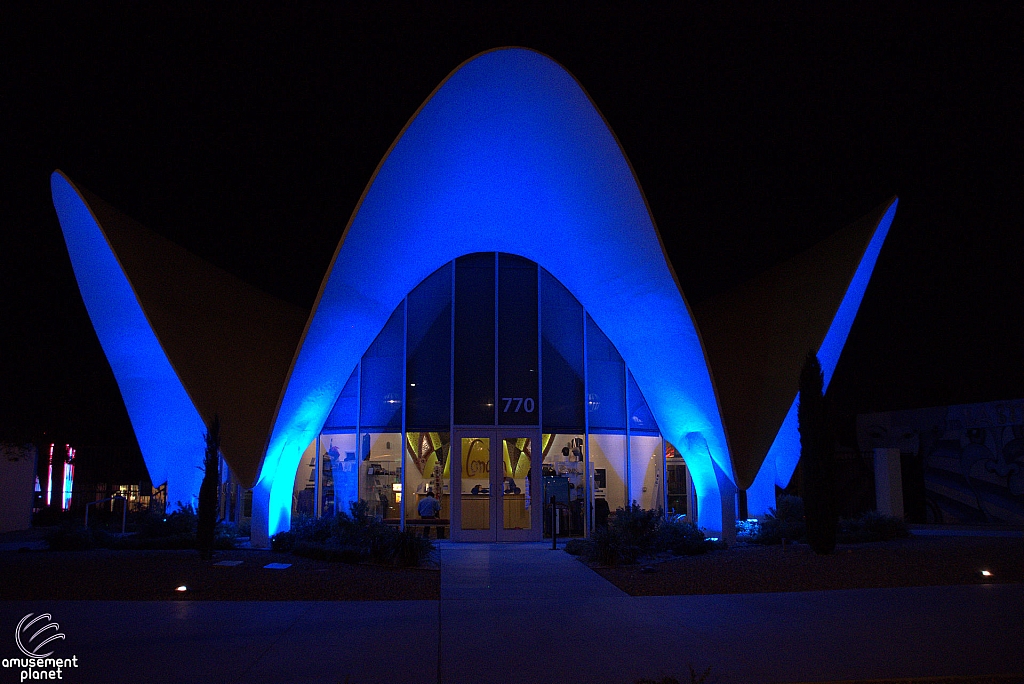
column 207, row 514
column 818, row 460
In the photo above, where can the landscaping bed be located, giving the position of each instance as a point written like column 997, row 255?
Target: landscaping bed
column 752, row 568
column 141, row 575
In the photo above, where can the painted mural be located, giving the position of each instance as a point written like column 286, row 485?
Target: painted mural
column 971, row 457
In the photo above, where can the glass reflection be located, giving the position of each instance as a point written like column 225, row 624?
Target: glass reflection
column 304, row 489
column 339, row 471
column 564, row 474
column 380, row 473
column 476, row 483
column 516, row 495
column 608, row 459
column 427, row 468
column 645, row 473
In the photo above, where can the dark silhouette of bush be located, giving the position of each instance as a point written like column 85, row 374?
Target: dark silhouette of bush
column 207, row 519
column 634, row 532
column 353, row 537
column 871, row 527
column 283, row 541
column 681, row 538
column 785, row 521
column 70, row 536
column 818, row 459
column 576, row 547
column 152, row 532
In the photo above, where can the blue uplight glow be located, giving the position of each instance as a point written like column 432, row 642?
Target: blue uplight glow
column 166, row 423
column 784, row 453
column 508, row 155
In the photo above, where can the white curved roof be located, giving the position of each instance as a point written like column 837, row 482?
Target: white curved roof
column 508, row 154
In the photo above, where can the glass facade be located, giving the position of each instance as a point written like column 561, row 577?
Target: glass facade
column 491, row 356
column 427, row 470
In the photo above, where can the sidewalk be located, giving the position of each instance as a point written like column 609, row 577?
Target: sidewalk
column 523, row 613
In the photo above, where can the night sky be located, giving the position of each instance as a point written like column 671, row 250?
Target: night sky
column 248, row 134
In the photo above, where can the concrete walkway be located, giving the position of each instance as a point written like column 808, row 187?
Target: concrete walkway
column 522, row 613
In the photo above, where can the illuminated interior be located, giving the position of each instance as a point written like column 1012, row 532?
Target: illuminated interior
column 508, row 155
column 478, row 369
column 501, row 291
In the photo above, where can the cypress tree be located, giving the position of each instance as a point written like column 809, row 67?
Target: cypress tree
column 818, row 460
column 206, row 524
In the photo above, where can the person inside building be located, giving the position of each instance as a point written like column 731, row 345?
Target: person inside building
column 429, row 508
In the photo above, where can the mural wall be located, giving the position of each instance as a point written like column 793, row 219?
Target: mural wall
column 971, row 457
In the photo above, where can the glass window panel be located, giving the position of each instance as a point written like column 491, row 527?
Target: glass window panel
column 304, row 489
column 563, row 470
column 676, row 482
column 340, row 471
column 474, row 339
column 381, row 387
column 476, row 483
column 640, row 417
column 427, row 467
column 608, row 459
column 645, row 476
column 517, row 341
column 517, row 457
column 379, row 473
column 346, row 408
column 562, row 356
column 428, row 370
column 606, row 381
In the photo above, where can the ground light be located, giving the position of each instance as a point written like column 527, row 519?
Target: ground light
column 181, row 588
column 986, row 573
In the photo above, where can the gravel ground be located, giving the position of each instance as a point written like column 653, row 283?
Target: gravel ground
column 106, row 575
column 152, row 575
column 994, row 679
column 913, row 562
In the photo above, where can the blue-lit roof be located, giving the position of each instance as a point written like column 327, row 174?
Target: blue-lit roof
column 509, row 155
column 166, row 423
column 781, row 461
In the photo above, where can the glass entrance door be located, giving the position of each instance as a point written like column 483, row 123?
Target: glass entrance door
column 495, row 485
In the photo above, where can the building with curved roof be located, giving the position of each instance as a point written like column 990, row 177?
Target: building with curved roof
column 499, row 321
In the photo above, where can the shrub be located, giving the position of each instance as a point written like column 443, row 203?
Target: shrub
column 409, row 549
column 788, row 509
column 70, row 537
column 747, row 529
column 343, row 554
column 785, row 521
column 630, row 534
column 245, row 527
column 637, row 526
column 283, row 541
column 153, row 532
column 224, row 536
column 352, row 537
column 870, row 527
column 181, row 522
column 576, row 547
column 206, row 530
column 607, row 546
column 816, row 446
column 681, row 538
column 314, row 529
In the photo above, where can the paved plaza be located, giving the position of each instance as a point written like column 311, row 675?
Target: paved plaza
column 523, row 613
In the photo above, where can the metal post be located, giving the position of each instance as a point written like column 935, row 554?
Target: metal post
column 317, row 493
column 554, row 524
